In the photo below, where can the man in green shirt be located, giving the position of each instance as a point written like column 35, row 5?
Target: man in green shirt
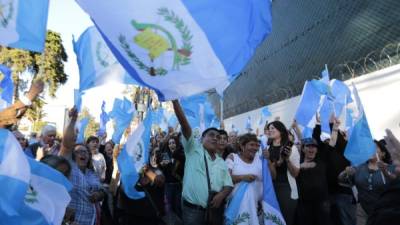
column 195, row 188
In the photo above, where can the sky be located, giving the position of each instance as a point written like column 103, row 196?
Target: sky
column 68, row 19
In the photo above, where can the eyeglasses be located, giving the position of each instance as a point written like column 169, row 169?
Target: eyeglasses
column 81, row 152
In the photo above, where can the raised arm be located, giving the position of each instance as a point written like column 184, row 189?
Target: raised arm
column 393, row 145
column 317, row 130
column 68, row 141
column 297, row 130
column 186, row 129
column 334, row 133
column 12, row 114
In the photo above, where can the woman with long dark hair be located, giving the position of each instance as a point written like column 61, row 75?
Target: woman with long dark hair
column 171, row 161
column 284, row 163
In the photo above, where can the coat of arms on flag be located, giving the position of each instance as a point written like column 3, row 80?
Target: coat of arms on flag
column 158, row 40
column 103, row 55
column 6, row 13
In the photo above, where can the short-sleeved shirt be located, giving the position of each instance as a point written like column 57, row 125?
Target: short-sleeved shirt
column 195, row 189
column 83, row 185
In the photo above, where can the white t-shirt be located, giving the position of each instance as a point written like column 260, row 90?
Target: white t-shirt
column 239, row 167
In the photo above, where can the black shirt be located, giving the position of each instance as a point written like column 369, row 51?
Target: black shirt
column 312, row 183
column 174, row 170
column 281, row 171
column 335, row 161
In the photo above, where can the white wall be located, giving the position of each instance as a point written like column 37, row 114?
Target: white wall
column 379, row 92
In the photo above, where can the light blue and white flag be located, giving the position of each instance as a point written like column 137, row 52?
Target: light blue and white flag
column 215, row 123
column 78, row 99
column 248, row 124
column 6, row 87
column 104, row 118
column 199, row 112
column 46, row 198
column 122, row 114
column 325, row 111
column 341, row 96
column 14, row 175
column 325, row 75
column 180, row 48
column 265, row 113
column 271, row 212
column 97, row 64
column 134, row 156
column 307, row 132
column 232, row 212
column 23, row 24
column 81, row 127
column 172, row 121
column 310, row 102
column 349, row 122
column 360, row 146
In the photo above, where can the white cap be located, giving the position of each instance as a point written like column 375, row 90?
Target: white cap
column 48, row 128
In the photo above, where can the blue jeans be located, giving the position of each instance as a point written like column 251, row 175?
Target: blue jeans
column 192, row 216
column 345, row 209
column 173, row 193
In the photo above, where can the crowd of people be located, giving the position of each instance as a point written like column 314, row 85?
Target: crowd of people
column 190, row 180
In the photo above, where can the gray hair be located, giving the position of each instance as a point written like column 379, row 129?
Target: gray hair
column 48, row 128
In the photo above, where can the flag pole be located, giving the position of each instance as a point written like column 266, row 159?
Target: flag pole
column 221, row 101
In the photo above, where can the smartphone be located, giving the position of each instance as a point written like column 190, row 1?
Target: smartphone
column 289, row 144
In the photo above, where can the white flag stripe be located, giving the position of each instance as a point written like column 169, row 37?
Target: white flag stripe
column 52, row 198
column 13, row 160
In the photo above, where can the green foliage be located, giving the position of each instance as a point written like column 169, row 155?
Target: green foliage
column 242, row 218
column 273, row 218
column 92, row 126
column 49, row 66
column 38, row 125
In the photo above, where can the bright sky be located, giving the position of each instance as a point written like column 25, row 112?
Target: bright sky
column 67, row 18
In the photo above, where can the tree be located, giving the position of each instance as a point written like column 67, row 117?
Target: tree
column 92, row 126
column 48, row 66
column 36, row 113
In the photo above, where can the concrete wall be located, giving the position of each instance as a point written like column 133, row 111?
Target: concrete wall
column 379, row 92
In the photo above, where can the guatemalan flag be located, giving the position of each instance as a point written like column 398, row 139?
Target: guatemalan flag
column 199, row 112
column 78, row 99
column 96, row 62
column 23, row 24
column 271, row 212
column 81, row 127
column 360, row 146
column 181, row 47
column 14, row 175
column 46, row 198
column 122, row 114
column 6, row 87
column 334, row 104
column 134, row 156
column 104, row 118
column 310, row 102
